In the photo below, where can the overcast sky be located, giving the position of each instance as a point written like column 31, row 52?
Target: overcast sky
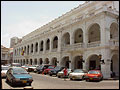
column 19, row 18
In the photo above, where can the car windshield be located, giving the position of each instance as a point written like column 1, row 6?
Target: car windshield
column 78, row 71
column 19, row 71
column 5, row 68
column 93, row 72
column 50, row 67
column 57, row 68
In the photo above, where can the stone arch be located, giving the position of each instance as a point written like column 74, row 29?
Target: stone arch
column 93, row 62
column 48, row 44
column 94, row 33
column 78, row 36
column 41, row 45
column 40, row 61
column 115, row 64
column 36, row 47
column 66, row 39
column 31, row 61
column 32, row 48
column 46, row 61
column 65, row 61
column 54, row 61
column 114, row 31
column 35, row 61
column 55, row 42
column 78, row 64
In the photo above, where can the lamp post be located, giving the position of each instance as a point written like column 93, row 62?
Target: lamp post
column 101, row 61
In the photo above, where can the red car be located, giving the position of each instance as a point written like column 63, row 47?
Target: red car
column 48, row 69
column 94, row 75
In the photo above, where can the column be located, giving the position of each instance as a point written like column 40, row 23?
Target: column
column 59, row 42
column 85, row 35
column 104, row 32
column 71, row 38
column 105, row 68
column 44, row 46
column 51, row 43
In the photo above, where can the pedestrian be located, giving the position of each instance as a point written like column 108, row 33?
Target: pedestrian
column 65, row 73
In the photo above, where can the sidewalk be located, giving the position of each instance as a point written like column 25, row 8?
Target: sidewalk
column 115, row 78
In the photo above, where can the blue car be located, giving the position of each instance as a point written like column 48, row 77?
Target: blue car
column 18, row 75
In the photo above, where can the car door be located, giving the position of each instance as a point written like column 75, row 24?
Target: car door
column 10, row 76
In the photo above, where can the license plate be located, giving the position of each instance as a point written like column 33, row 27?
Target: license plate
column 24, row 81
column 91, row 78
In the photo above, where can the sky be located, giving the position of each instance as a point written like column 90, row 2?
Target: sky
column 18, row 18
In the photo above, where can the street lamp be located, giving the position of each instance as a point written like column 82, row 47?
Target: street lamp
column 102, row 61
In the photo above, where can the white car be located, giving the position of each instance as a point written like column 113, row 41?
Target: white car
column 61, row 73
column 77, row 74
column 4, row 70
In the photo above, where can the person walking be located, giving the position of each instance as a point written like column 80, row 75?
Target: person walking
column 65, row 73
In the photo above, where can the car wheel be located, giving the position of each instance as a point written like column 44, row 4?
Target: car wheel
column 83, row 78
column 87, row 80
column 58, row 76
column 7, row 80
column 29, row 84
column 71, row 79
column 50, row 74
column 12, row 83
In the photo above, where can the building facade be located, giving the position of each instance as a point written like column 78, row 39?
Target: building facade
column 87, row 37
column 4, row 55
column 14, row 41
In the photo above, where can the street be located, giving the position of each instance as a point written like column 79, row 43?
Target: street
column 48, row 82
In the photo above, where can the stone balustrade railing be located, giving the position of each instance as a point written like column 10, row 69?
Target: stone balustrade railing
column 114, row 42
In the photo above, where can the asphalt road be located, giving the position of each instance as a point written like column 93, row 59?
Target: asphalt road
column 48, row 82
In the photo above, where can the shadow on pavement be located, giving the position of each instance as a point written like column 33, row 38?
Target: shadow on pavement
column 16, row 85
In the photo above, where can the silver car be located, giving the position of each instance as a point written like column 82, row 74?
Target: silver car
column 77, row 74
column 61, row 73
column 4, row 71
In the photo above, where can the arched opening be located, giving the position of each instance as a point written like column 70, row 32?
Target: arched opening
column 23, row 61
column 55, row 42
column 94, row 62
column 40, row 61
column 78, row 36
column 115, row 65
column 46, row 61
column 48, row 44
column 36, row 47
column 41, row 46
column 114, row 34
column 31, row 48
column 30, row 61
column 35, row 62
column 25, row 49
column 54, row 61
column 94, row 33
column 66, row 39
column 65, row 62
column 78, row 64
column 28, row 49
column 26, row 61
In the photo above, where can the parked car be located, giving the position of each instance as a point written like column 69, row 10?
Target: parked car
column 77, row 74
column 16, row 65
column 48, row 69
column 55, row 70
column 32, row 68
column 94, row 75
column 4, row 70
column 61, row 73
column 18, row 75
column 25, row 67
column 41, row 68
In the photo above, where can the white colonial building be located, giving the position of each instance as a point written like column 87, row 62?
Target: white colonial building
column 85, row 37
